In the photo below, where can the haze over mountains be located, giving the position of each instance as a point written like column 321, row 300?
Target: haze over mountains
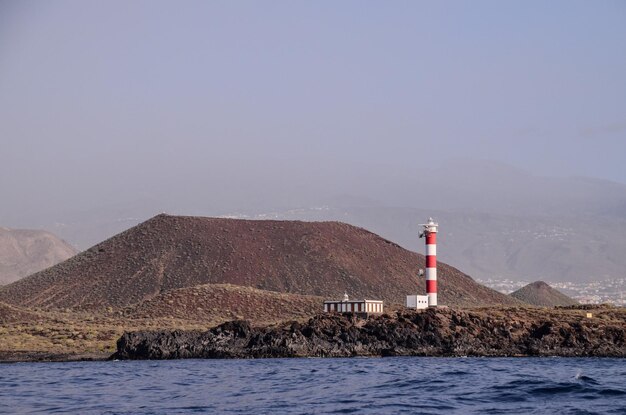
column 496, row 220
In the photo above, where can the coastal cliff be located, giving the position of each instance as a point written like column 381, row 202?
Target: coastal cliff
column 514, row 331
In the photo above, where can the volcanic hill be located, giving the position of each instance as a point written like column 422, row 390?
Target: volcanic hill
column 540, row 294
column 307, row 258
column 25, row 251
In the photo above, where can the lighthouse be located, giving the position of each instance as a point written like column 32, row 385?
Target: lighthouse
column 430, row 233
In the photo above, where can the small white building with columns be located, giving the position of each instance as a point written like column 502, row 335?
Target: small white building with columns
column 354, row 306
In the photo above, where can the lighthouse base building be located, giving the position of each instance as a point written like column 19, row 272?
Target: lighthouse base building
column 417, row 302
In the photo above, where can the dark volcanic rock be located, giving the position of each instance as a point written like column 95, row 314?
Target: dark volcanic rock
column 442, row 332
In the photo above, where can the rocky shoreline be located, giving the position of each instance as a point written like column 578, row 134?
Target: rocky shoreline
column 515, row 331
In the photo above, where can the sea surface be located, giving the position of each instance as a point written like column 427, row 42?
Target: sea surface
column 415, row 385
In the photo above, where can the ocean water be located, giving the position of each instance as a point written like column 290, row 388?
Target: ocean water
column 414, row 385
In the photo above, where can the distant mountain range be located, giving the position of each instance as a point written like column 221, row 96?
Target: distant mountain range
column 23, row 252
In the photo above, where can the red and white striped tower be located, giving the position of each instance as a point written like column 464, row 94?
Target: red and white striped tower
column 430, row 232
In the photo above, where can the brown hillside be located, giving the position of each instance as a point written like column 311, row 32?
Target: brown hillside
column 23, row 252
column 217, row 303
column 541, row 294
column 12, row 314
column 309, row 258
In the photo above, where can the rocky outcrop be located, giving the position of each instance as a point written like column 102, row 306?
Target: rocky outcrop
column 441, row 332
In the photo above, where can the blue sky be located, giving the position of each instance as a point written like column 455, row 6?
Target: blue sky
column 106, row 98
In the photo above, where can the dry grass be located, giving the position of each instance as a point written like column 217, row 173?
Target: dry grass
column 67, row 334
column 78, row 333
column 600, row 314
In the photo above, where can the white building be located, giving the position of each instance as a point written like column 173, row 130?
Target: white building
column 417, row 302
column 354, row 306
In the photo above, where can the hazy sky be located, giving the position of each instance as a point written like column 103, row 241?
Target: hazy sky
column 109, row 100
